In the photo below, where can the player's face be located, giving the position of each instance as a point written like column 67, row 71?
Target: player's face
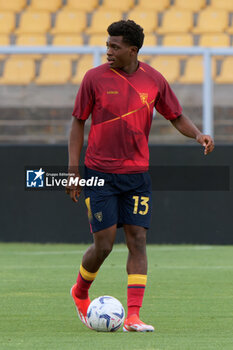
column 119, row 54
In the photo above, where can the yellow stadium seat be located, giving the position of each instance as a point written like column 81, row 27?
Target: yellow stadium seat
column 4, row 40
column 147, row 19
column 154, row 5
column 226, row 74
column 168, row 66
column 192, row 5
column 101, row 20
column 176, row 21
column 69, row 22
column 34, row 22
column 211, row 21
column 67, row 40
column 98, row 39
column 12, row 5
column 31, row 40
column 194, row 71
column 19, row 71
column 120, row 5
column 84, row 64
column 7, row 22
column 222, row 4
column 178, row 40
column 150, row 40
column 87, row 5
column 214, row 40
column 45, row 5
column 54, row 72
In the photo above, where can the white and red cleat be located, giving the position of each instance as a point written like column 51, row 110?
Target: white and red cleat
column 134, row 324
column 81, row 307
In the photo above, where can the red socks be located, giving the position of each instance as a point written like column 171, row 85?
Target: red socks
column 135, row 293
column 84, row 281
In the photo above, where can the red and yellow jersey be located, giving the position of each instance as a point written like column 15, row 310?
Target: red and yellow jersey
column 121, row 106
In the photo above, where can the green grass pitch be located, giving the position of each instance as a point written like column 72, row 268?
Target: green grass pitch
column 189, row 298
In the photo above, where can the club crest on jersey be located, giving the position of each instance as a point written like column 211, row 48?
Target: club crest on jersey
column 99, row 216
column 144, row 97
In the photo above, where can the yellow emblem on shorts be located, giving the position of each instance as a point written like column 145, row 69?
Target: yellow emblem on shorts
column 144, row 97
column 99, row 216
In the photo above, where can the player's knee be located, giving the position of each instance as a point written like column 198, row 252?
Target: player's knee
column 137, row 243
column 104, row 251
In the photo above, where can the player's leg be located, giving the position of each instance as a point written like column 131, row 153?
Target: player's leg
column 100, row 249
column 102, row 210
column 91, row 262
column 93, row 259
column 135, row 214
column 136, row 267
column 137, row 277
column 136, row 243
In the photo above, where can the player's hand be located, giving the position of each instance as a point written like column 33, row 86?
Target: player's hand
column 207, row 142
column 72, row 189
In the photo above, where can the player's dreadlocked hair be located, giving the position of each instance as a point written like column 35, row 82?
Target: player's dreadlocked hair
column 132, row 33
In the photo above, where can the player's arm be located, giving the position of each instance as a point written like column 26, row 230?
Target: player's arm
column 186, row 127
column 75, row 147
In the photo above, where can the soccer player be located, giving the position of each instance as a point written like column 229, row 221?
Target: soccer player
column 120, row 95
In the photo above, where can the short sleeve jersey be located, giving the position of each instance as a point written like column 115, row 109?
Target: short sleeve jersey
column 121, row 108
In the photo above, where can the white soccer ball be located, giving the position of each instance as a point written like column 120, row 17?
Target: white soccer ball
column 105, row 314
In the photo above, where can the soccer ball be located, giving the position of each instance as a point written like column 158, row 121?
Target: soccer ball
column 105, row 314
